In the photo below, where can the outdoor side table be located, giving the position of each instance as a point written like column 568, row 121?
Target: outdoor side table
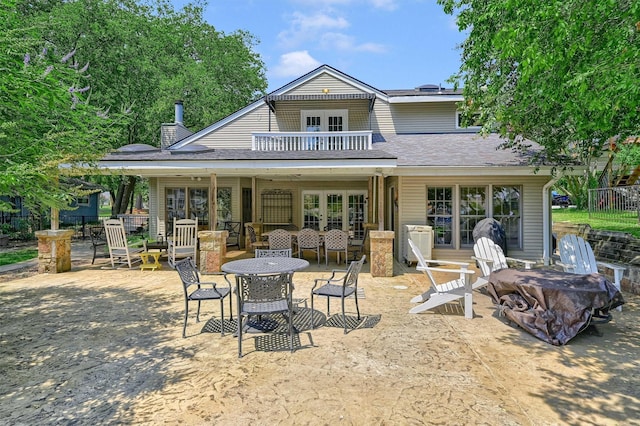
column 150, row 260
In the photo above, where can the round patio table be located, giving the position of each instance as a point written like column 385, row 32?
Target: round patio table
column 264, row 265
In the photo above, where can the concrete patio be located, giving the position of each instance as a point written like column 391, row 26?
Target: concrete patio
column 103, row 346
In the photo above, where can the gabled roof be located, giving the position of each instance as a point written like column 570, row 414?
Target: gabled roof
column 368, row 92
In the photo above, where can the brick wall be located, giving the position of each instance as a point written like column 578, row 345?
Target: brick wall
column 612, row 247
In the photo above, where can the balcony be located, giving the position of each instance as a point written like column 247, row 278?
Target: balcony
column 311, row 141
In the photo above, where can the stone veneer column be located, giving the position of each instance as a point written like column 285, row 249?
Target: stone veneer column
column 381, row 253
column 54, row 250
column 213, row 249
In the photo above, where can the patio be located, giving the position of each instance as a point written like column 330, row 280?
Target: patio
column 104, row 346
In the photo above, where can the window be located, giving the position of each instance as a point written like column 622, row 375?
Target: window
column 473, row 208
column 178, row 206
column 440, row 214
column 507, row 210
column 468, row 205
column 475, row 123
column 83, row 201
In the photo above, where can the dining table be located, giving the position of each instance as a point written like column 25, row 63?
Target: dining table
column 264, row 265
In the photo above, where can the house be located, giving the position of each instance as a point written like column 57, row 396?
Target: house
column 330, row 151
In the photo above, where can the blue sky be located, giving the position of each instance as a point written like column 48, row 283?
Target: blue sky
column 389, row 44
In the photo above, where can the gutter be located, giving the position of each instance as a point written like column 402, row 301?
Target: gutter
column 546, row 222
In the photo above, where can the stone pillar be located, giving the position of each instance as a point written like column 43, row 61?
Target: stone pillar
column 54, row 250
column 213, row 249
column 381, row 253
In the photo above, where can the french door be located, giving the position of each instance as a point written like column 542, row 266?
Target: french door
column 326, row 210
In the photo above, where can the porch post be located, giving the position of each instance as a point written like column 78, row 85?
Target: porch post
column 380, row 213
column 213, row 203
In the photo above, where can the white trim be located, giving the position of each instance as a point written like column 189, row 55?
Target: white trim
column 424, row 99
column 458, row 126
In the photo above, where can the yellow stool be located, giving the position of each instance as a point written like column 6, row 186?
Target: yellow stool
column 147, row 256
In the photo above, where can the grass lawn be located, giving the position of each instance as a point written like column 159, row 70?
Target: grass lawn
column 11, row 257
column 582, row 216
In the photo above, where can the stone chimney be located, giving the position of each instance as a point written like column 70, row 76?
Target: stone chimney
column 171, row 133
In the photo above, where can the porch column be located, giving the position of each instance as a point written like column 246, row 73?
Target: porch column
column 213, row 202
column 381, row 253
column 54, row 250
column 213, row 249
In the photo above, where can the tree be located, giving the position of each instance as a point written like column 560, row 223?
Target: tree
column 561, row 73
column 45, row 117
column 145, row 56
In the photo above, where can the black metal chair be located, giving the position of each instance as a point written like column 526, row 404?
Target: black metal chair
column 233, row 240
column 263, row 295
column 98, row 241
column 190, row 277
column 339, row 286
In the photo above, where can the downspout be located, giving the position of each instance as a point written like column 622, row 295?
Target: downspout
column 546, row 222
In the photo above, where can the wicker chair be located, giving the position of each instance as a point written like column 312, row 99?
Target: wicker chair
column 273, row 253
column 189, row 276
column 341, row 284
column 255, row 241
column 279, row 239
column 309, row 240
column 263, row 295
column 336, row 241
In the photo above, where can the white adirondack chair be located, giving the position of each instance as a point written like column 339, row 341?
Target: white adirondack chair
column 119, row 250
column 439, row 294
column 490, row 257
column 576, row 256
column 184, row 241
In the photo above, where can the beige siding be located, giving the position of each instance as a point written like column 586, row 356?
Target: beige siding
column 237, row 134
column 424, row 117
column 324, row 81
column 412, row 210
column 382, row 121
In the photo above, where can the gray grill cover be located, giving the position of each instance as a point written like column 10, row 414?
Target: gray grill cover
column 553, row 306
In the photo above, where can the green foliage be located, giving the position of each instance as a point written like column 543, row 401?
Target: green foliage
column 562, row 73
column 47, row 119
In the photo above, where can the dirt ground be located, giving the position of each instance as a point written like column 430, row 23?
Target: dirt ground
column 102, row 346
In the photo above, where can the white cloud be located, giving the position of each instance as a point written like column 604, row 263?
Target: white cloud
column 384, row 4
column 295, row 64
column 343, row 42
column 303, row 28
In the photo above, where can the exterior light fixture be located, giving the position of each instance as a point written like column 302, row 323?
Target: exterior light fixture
column 325, row 91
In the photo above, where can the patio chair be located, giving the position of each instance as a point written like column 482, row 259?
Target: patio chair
column 576, row 256
column 273, row 253
column 264, row 295
column 336, row 241
column 279, row 239
column 98, row 242
column 233, row 240
column 255, row 241
column 309, row 240
column 184, row 241
column 490, row 257
column 341, row 284
column 189, row 275
column 439, row 294
column 356, row 246
column 119, row 250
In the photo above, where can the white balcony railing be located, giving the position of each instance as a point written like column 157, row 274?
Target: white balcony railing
column 310, row 141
